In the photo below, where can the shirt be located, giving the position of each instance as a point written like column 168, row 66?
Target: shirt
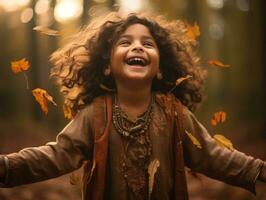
column 74, row 145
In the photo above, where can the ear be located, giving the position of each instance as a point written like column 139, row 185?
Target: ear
column 107, row 71
column 159, row 76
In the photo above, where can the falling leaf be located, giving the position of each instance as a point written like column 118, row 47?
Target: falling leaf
column 106, row 88
column 193, row 31
column 152, row 169
column 68, row 113
column 223, row 141
column 42, row 97
column 217, row 63
column 180, row 80
column 193, row 139
column 46, row 30
column 218, row 117
column 20, row 65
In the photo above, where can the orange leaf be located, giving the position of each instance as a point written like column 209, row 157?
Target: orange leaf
column 193, row 31
column 193, row 139
column 218, row 117
column 180, row 80
column 42, row 97
column 20, row 66
column 223, row 141
column 217, row 63
column 46, row 30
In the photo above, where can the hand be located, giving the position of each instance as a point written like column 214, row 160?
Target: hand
column 262, row 175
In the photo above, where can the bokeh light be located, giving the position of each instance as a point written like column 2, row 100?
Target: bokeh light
column 42, row 6
column 26, row 15
column 216, row 4
column 67, row 10
column 243, row 5
column 13, row 5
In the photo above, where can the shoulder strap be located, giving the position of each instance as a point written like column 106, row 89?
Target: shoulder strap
column 181, row 191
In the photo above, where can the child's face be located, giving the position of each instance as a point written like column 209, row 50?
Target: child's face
column 135, row 56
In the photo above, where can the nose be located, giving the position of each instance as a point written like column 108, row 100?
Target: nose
column 137, row 48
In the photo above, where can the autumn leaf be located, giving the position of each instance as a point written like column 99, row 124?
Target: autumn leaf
column 180, row 80
column 223, row 141
column 20, row 65
column 46, row 30
column 193, row 139
column 106, row 88
column 152, row 169
column 68, row 112
column 218, row 117
column 42, row 97
column 193, row 31
column 217, row 63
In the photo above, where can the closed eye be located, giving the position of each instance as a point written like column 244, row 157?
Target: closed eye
column 124, row 42
column 148, row 44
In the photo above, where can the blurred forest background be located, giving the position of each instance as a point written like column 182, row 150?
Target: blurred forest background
column 232, row 31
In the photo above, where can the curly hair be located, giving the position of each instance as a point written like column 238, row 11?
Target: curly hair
column 78, row 67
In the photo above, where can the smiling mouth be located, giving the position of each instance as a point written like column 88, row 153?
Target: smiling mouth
column 137, row 61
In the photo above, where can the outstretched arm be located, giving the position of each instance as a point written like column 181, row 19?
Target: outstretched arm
column 73, row 145
column 230, row 166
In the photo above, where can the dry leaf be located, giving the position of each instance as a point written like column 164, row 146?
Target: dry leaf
column 106, row 88
column 193, row 139
column 42, row 97
column 180, row 80
column 152, row 169
column 46, row 30
column 217, row 63
column 218, row 117
column 223, row 141
column 20, row 66
column 193, row 31
column 68, row 112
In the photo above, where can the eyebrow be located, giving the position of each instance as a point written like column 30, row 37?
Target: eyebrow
column 130, row 36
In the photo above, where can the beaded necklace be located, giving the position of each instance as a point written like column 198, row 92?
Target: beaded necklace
column 137, row 148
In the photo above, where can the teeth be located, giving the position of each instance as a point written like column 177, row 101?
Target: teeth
column 136, row 60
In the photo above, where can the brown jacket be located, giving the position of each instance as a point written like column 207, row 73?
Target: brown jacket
column 77, row 142
column 94, row 172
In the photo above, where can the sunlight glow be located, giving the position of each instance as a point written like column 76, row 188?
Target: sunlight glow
column 42, row 6
column 66, row 10
column 131, row 5
column 13, row 5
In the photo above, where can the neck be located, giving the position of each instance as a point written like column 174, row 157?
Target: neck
column 134, row 101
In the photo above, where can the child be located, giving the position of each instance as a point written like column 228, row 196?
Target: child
column 129, row 129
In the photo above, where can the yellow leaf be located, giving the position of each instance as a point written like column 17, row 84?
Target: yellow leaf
column 46, row 30
column 193, row 31
column 180, row 80
column 152, row 169
column 223, row 141
column 218, row 117
column 20, row 65
column 193, row 139
column 68, row 112
column 217, row 63
column 42, row 97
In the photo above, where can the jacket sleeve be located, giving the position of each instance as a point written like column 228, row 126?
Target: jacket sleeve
column 230, row 166
column 73, row 145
